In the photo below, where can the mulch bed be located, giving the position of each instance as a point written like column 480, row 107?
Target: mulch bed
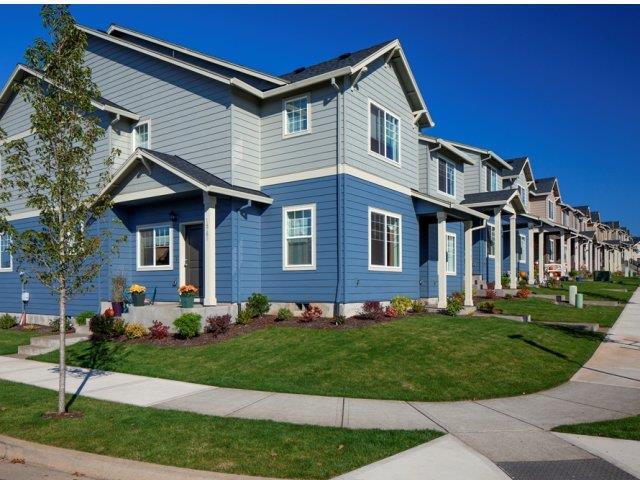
column 30, row 327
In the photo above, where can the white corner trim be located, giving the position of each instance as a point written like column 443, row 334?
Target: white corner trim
column 285, row 256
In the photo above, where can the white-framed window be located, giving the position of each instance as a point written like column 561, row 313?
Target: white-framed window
column 523, row 194
column 565, row 218
column 385, row 240
column 492, row 179
column 299, row 237
column 154, row 247
column 451, row 253
column 446, row 177
column 384, row 133
column 521, row 248
column 491, row 240
column 551, row 208
column 142, row 135
column 6, row 260
column 296, row 115
column 552, row 249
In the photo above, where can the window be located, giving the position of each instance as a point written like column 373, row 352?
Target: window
column 491, row 240
column 141, row 136
column 551, row 209
column 492, row 179
column 6, row 262
column 296, row 115
column 552, row 250
column 299, row 229
column 521, row 247
column 446, row 177
column 565, row 218
column 155, row 247
column 385, row 241
column 384, row 133
column 523, row 194
column 451, row 253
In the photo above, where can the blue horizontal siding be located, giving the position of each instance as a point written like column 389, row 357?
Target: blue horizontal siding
column 429, row 258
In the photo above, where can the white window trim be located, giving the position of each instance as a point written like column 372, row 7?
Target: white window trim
column 453, row 165
column 285, row 246
column 551, row 211
column 133, row 134
column 491, row 170
column 151, row 268
column 455, row 253
column 385, row 268
column 523, row 248
column 10, row 267
column 376, row 154
column 285, row 134
column 491, row 227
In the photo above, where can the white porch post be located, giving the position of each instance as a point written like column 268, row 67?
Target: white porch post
column 576, row 254
column 497, row 264
column 563, row 248
column 209, row 249
column 530, row 254
column 513, row 274
column 442, row 259
column 590, row 262
column 468, row 269
column 540, row 257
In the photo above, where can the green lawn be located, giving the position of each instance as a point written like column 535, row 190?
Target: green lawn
column 202, row 442
column 597, row 290
column 429, row 358
column 10, row 340
column 543, row 310
column 626, row 428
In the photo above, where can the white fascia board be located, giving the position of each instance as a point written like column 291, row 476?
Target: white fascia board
column 449, row 205
column 274, row 92
column 201, row 56
column 7, row 86
column 459, row 153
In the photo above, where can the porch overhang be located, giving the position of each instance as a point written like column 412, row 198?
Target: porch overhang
column 507, row 200
column 436, row 205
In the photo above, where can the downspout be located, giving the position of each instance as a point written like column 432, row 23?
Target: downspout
column 340, row 287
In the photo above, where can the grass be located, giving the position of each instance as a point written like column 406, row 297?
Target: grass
column 10, row 340
column 626, row 428
column 427, row 358
column 201, row 442
column 543, row 310
column 597, row 290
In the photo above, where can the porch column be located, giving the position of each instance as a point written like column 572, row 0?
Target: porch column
column 468, row 268
column 590, row 257
column 497, row 264
column 209, row 249
column 576, row 254
column 530, row 255
column 563, row 248
column 541, row 257
column 513, row 273
column 442, row 259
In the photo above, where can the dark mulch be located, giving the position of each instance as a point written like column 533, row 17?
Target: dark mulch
column 30, row 327
column 65, row 415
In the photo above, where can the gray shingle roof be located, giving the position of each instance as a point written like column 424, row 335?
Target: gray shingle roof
column 613, row 223
column 517, row 164
column 583, row 208
column 544, row 185
column 588, row 233
column 344, row 60
column 485, row 197
column 595, row 216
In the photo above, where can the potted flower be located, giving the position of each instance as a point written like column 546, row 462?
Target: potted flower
column 187, row 295
column 118, row 283
column 137, row 294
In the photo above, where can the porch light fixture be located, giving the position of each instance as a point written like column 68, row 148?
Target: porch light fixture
column 173, row 216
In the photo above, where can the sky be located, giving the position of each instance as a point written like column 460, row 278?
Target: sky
column 559, row 84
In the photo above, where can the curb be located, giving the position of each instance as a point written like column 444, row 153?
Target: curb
column 101, row 466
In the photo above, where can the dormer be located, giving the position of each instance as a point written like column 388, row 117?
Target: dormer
column 520, row 178
column 546, row 195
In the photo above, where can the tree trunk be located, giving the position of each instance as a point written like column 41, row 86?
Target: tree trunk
column 62, row 363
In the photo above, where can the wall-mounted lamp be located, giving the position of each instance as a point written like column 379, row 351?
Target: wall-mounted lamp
column 173, row 216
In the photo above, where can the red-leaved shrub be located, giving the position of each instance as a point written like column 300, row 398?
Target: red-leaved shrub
column 158, row 330
column 217, row 325
column 491, row 294
column 312, row 313
column 372, row 310
column 390, row 312
column 523, row 292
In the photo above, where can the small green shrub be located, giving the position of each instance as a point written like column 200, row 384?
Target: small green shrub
column 188, row 325
column 101, row 326
column 417, row 306
column 119, row 326
column 339, row 320
column 454, row 305
column 7, row 321
column 284, row 314
column 244, row 317
column 401, row 304
column 258, row 304
column 83, row 317
column 55, row 325
column 486, row 307
column 135, row 330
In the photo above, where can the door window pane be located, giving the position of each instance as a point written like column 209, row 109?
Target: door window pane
column 491, row 240
column 451, row 254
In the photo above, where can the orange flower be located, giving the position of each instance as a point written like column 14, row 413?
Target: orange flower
column 188, row 290
column 135, row 288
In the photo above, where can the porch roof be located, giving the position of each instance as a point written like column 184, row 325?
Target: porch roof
column 498, row 198
column 189, row 172
column 453, row 207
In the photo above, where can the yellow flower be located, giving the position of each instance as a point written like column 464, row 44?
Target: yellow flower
column 188, row 289
column 135, row 288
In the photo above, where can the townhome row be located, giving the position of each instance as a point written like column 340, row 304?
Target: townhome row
column 317, row 186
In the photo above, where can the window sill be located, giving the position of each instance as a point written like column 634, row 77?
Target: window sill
column 155, row 269
column 298, row 268
column 445, row 194
column 6, row 270
column 297, row 134
column 385, row 159
column 374, row 268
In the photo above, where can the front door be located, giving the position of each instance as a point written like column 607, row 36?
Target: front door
column 193, row 241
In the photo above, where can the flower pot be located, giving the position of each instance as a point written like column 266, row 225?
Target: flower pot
column 118, row 308
column 186, row 301
column 137, row 299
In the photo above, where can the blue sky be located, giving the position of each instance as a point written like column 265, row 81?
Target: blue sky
column 556, row 83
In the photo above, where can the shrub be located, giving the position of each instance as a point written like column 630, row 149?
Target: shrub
column 101, row 326
column 458, row 296
column 417, row 306
column 244, row 317
column 391, row 312
column 339, row 320
column 119, row 326
column 313, row 312
column 401, row 304
column 486, row 307
column 258, row 304
column 523, row 292
column 81, row 318
column 187, row 325
column 158, row 330
column 135, row 330
column 372, row 310
column 7, row 321
column 505, row 279
column 491, row 294
column 55, row 325
column 284, row 314
column 218, row 325
column 508, row 296
column 454, row 305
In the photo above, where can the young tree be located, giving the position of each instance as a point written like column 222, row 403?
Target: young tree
column 51, row 171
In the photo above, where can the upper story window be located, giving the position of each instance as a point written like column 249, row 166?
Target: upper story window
column 491, row 240
column 551, row 209
column 492, row 179
column 141, row 136
column 523, row 194
column 299, row 228
column 6, row 262
column 296, row 115
column 451, row 254
column 446, row 177
column 385, row 240
column 155, row 246
column 565, row 218
column 384, row 133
